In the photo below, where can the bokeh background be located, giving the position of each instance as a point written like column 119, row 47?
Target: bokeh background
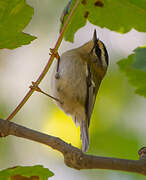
column 118, row 124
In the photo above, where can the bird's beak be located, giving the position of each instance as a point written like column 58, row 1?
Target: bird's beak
column 95, row 39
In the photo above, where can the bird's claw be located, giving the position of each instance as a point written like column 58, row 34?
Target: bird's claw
column 56, row 55
column 35, row 87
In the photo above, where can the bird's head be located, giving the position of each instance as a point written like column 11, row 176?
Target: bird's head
column 95, row 50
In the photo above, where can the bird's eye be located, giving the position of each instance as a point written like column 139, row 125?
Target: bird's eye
column 98, row 51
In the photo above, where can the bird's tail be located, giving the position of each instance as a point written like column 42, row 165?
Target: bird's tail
column 84, row 135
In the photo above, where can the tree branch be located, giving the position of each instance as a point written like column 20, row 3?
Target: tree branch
column 74, row 157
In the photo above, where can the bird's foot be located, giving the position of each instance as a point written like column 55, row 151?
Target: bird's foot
column 56, row 55
column 35, row 87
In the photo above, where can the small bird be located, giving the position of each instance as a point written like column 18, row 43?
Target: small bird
column 75, row 80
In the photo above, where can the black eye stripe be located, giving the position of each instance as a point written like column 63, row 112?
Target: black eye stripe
column 98, row 51
column 106, row 54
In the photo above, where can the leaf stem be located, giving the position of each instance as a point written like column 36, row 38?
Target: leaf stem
column 46, row 68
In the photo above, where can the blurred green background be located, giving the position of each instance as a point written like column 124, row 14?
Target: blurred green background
column 118, row 122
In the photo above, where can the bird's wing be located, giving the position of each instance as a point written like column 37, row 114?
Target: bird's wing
column 93, row 84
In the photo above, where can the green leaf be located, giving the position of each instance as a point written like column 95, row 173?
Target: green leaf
column 14, row 17
column 26, row 171
column 120, row 16
column 76, row 22
column 135, row 69
column 140, row 59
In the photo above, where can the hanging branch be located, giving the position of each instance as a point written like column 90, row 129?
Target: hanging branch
column 74, row 157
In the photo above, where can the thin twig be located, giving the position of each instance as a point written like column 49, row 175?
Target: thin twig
column 74, row 157
column 44, row 72
column 38, row 89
